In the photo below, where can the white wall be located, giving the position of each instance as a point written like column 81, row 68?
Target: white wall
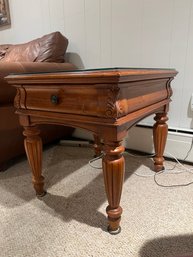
column 133, row 33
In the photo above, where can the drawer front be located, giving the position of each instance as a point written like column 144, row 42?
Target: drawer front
column 101, row 101
column 91, row 101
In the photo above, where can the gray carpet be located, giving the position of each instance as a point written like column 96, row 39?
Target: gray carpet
column 71, row 219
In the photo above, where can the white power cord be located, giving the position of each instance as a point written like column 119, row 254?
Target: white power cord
column 155, row 174
column 140, row 156
column 175, row 172
column 95, row 159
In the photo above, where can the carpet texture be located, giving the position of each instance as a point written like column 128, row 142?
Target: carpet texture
column 70, row 221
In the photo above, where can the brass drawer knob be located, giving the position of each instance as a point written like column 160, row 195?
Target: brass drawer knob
column 54, row 99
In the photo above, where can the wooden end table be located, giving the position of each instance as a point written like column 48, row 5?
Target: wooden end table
column 106, row 102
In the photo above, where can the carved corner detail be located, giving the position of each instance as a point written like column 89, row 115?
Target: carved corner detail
column 20, row 98
column 112, row 96
column 168, row 87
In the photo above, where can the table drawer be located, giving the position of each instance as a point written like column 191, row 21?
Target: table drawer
column 67, row 100
column 100, row 101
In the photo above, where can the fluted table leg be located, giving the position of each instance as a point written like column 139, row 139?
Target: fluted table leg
column 113, row 171
column 160, row 131
column 33, row 148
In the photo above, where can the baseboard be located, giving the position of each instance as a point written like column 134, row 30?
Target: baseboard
column 140, row 139
column 178, row 144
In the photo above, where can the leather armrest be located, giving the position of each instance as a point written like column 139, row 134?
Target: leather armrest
column 7, row 92
column 21, row 67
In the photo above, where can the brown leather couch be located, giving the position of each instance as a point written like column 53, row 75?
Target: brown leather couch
column 42, row 54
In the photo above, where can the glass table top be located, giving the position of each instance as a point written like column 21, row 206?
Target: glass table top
column 93, row 70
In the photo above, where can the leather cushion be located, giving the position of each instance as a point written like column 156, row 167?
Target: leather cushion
column 52, row 48
column 49, row 48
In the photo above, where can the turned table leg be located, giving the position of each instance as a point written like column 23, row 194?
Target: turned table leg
column 33, row 148
column 160, row 131
column 113, row 171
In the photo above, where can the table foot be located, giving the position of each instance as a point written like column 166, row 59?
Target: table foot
column 158, row 167
column 114, row 218
column 41, row 195
column 114, row 232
